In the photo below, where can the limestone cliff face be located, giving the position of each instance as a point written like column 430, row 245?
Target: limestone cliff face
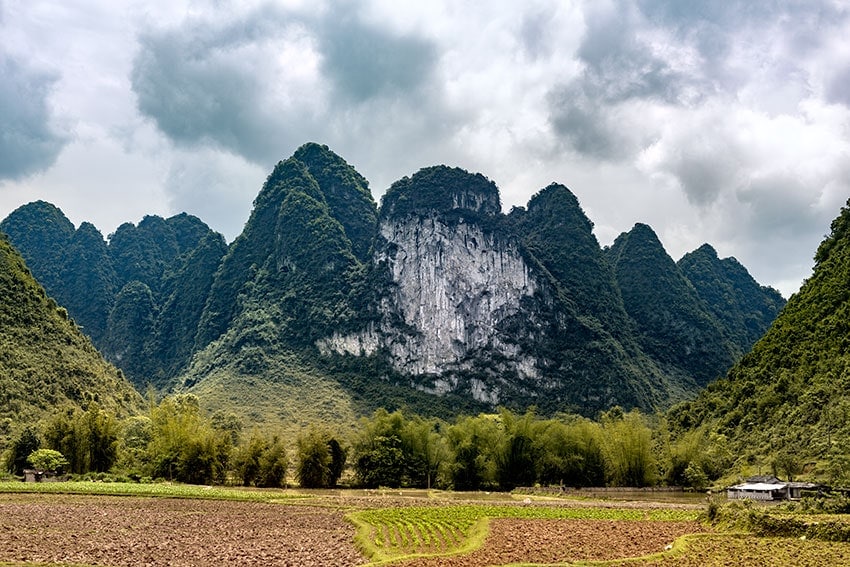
column 454, row 285
column 454, row 289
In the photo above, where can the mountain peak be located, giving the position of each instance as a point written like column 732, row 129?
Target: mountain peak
column 346, row 193
column 708, row 250
column 442, row 189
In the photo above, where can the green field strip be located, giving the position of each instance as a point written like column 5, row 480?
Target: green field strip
column 159, row 490
column 455, row 523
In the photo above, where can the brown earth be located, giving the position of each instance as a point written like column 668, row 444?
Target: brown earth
column 130, row 531
column 557, row 541
column 134, row 531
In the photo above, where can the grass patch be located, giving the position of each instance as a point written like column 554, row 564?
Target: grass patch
column 160, row 490
column 744, row 550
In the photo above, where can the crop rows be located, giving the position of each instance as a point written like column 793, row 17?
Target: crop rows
column 395, row 532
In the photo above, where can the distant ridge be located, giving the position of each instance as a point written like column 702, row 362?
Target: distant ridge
column 436, row 300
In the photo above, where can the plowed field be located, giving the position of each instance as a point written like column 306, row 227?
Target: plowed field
column 557, row 541
column 130, row 531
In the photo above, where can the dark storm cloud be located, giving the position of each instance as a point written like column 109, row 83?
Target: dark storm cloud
column 619, row 66
column 364, row 61
column 28, row 141
column 584, row 123
column 203, row 83
column 208, row 84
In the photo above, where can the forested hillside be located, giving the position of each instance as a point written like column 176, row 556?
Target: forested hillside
column 138, row 297
column 786, row 402
column 46, row 363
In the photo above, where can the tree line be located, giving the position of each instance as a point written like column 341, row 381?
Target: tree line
column 175, row 441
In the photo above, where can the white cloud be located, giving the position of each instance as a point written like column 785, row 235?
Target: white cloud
column 724, row 122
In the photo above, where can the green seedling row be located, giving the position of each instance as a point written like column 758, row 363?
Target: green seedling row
column 397, row 532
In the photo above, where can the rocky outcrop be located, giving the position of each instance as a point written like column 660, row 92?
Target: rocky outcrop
column 517, row 310
column 453, row 287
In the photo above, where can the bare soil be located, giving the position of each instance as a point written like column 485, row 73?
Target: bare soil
column 556, row 541
column 131, row 532
column 136, row 531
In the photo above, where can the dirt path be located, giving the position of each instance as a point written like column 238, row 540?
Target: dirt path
column 129, row 531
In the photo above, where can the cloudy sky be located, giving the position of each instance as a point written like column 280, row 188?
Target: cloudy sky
column 721, row 122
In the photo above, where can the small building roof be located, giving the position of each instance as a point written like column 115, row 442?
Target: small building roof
column 760, row 486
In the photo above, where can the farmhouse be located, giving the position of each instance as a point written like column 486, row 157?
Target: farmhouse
column 768, row 488
column 33, row 475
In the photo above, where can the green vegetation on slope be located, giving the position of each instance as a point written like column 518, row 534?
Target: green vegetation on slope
column 99, row 283
column 441, row 189
column 347, row 195
column 45, row 361
column 597, row 341
column 173, row 340
column 745, row 308
column 674, row 326
column 40, row 232
column 87, row 282
column 786, row 401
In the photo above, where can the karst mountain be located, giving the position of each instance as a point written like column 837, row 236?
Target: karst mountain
column 328, row 305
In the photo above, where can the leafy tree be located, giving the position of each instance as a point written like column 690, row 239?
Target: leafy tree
column 184, row 446
column 381, row 463
column 425, row 449
column 47, row 460
column 695, row 477
column 89, row 439
column 136, row 434
column 379, row 457
column 273, row 464
column 788, row 464
column 516, row 460
column 314, row 460
column 473, row 442
column 247, row 457
column 21, row 448
column 261, row 461
column 571, row 453
column 229, row 423
column 338, row 457
column 628, row 450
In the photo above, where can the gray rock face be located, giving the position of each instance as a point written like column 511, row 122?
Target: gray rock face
column 453, row 287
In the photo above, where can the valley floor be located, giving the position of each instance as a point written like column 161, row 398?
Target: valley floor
column 201, row 526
